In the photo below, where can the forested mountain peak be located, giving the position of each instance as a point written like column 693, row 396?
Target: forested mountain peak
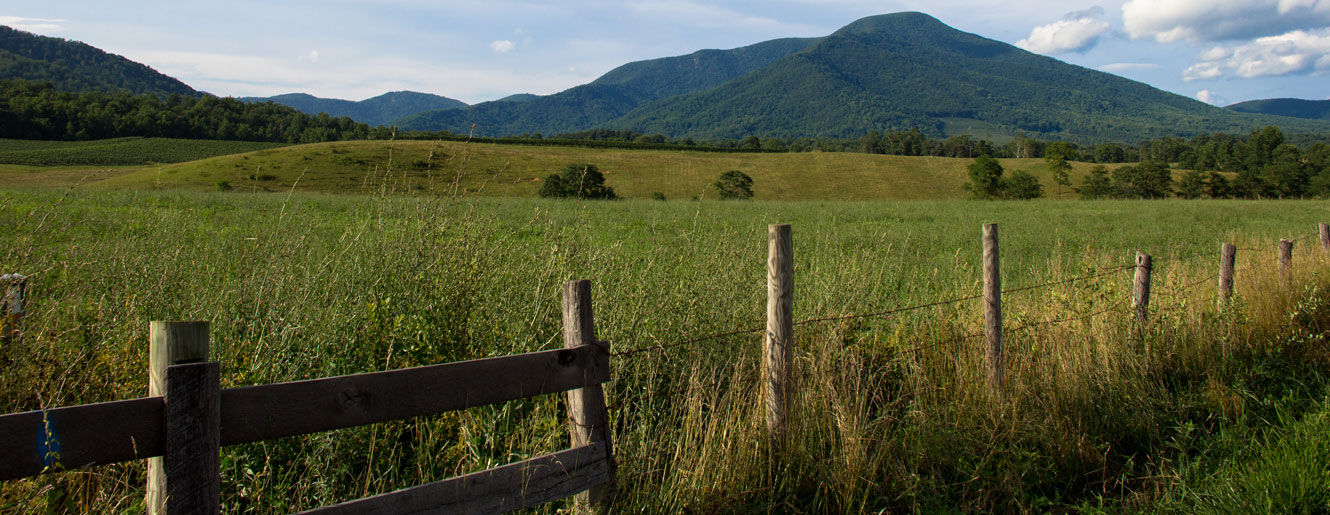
column 1294, row 107
column 374, row 111
column 78, row 67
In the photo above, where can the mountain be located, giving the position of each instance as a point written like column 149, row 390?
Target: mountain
column 1294, row 107
column 889, row 72
column 374, row 111
column 909, row 70
column 75, row 67
column 610, row 96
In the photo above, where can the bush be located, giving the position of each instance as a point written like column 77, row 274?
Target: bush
column 734, row 185
column 1022, row 185
column 223, row 185
column 657, row 196
column 577, row 181
column 985, row 178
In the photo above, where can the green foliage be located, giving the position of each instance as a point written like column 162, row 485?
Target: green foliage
column 38, row 111
column 734, row 185
column 658, row 196
column 1058, row 156
column 985, row 178
column 1148, row 180
column 120, row 151
column 1098, row 184
column 1021, row 185
column 1294, row 107
column 75, row 67
column 1192, row 185
column 582, row 181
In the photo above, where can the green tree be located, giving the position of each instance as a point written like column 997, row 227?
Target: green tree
column 1058, row 155
column 1097, row 184
column 1023, row 185
column 985, row 178
column 577, row 181
column 734, row 185
column 1217, row 186
column 1192, row 185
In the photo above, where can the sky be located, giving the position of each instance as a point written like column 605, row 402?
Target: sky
column 1218, row 51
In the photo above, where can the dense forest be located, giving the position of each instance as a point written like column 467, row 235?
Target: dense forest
column 78, row 67
column 30, row 110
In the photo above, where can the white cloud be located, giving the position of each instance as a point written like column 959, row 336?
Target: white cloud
column 502, row 46
column 1219, row 20
column 312, row 56
column 1296, row 52
column 1211, row 98
column 33, row 25
column 1077, row 32
column 1126, row 67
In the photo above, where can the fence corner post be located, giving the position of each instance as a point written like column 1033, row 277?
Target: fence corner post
column 192, row 454
column 778, row 343
column 588, row 419
column 1227, row 256
column 170, row 343
column 993, row 308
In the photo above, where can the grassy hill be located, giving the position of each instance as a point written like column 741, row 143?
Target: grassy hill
column 517, row 171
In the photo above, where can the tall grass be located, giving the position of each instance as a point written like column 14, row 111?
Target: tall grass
column 889, row 413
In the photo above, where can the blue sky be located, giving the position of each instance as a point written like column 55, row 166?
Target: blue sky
column 1221, row 51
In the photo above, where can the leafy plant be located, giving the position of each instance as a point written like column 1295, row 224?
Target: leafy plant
column 734, row 185
column 582, row 181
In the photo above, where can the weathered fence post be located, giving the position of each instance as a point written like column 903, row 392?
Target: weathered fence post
column 778, row 344
column 1140, row 292
column 192, row 453
column 1285, row 261
column 170, row 343
column 14, row 286
column 588, row 420
column 1227, row 256
column 1325, row 236
column 993, row 307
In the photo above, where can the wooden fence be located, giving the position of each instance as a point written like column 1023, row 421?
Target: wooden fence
column 187, row 417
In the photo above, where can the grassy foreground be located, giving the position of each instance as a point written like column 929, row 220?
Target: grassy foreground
column 492, row 170
column 890, row 413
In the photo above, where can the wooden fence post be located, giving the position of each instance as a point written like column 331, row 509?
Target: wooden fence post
column 1325, row 236
column 14, row 287
column 1285, row 261
column 192, row 452
column 993, row 307
column 1227, row 256
column 1140, row 292
column 588, row 420
column 778, row 345
column 170, row 343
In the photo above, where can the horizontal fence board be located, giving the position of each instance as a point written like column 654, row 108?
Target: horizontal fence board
column 265, row 412
column 91, row 434
column 501, row 489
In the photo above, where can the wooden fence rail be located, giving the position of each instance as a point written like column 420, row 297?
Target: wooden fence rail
column 187, row 426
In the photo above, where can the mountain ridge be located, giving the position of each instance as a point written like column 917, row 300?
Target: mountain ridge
column 78, row 67
column 1292, row 107
column 377, row 110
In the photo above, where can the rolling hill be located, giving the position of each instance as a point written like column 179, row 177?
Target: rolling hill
column 895, row 71
column 374, row 111
column 76, row 67
column 1294, row 107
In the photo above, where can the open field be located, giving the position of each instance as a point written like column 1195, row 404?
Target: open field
column 119, row 151
column 425, row 167
column 890, row 412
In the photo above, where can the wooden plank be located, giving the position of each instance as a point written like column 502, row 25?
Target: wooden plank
column 192, row 460
column 264, row 412
column 77, row 436
column 502, row 489
column 588, row 420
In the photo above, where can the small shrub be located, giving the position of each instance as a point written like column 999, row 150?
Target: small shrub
column 577, row 181
column 657, row 196
column 223, row 185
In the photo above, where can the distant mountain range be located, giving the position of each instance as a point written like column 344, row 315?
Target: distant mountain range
column 889, row 72
column 379, row 110
column 1297, row 108
column 77, row 67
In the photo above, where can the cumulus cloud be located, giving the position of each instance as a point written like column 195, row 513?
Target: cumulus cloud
column 1076, row 32
column 34, row 25
column 1210, row 97
column 1221, row 20
column 502, row 46
column 1297, row 52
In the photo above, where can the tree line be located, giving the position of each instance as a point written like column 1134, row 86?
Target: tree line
column 37, row 110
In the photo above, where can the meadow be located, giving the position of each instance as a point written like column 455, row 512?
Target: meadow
column 1207, row 409
column 119, row 151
